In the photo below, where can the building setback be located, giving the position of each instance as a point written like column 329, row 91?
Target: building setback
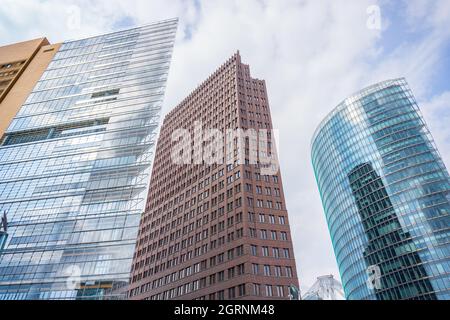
column 386, row 195
column 75, row 164
column 215, row 231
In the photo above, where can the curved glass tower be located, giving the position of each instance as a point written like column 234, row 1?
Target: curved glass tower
column 386, row 196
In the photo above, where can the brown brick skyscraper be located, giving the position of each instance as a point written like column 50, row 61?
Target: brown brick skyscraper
column 215, row 231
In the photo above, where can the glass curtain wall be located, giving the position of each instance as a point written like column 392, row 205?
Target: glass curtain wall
column 386, row 195
column 75, row 165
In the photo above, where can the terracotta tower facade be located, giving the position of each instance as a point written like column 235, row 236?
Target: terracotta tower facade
column 215, row 231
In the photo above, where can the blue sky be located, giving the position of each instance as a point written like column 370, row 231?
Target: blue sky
column 312, row 54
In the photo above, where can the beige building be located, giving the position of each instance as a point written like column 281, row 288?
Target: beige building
column 21, row 66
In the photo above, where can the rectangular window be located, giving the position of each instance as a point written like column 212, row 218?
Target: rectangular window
column 277, row 271
column 264, row 234
column 256, row 289
column 269, row 292
column 276, row 252
column 231, row 272
column 273, row 235
column 261, row 218
column 254, row 250
column 106, row 93
column 241, row 290
column 280, row 291
column 255, row 268
column 289, row 272
column 232, row 293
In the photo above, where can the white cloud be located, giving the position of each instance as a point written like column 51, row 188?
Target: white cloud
column 312, row 54
column 436, row 112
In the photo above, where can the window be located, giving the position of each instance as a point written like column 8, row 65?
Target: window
column 289, row 272
column 272, row 219
column 231, row 273
column 212, row 279
column 231, row 293
column 202, row 282
column 277, row 271
column 269, row 290
column 261, row 218
column 276, row 252
column 106, row 93
column 256, row 289
column 273, row 235
column 255, row 268
column 241, row 290
column 230, row 254
column 265, row 251
column 264, row 234
column 280, row 291
column 196, row 285
column 56, row 132
column 254, row 250
column 286, row 253
column 267, row 270
column 241, row 269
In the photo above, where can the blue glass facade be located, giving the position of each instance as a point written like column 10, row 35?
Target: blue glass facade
column 386, row 196
column 3, row 237
column 75, row 165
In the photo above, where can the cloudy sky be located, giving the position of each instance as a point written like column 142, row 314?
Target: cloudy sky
column 312, row 54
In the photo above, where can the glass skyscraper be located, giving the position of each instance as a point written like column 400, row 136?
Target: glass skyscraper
column 386, row 195
column 75, row 165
